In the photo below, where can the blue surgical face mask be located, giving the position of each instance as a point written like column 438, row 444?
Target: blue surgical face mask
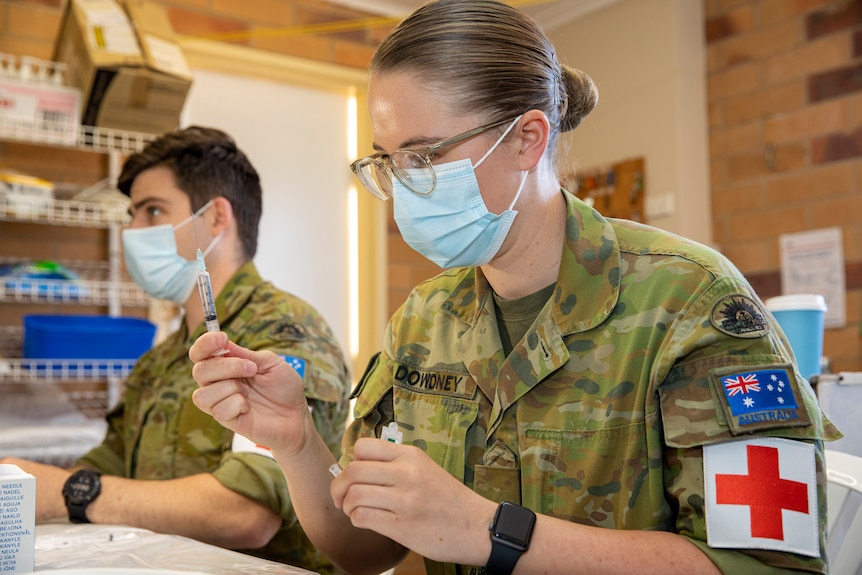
column 451, row 226
column 153, row 262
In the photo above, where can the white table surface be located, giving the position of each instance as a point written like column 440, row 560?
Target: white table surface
column 120, row 550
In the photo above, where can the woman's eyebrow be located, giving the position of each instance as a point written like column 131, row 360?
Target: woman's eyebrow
column 412, row 143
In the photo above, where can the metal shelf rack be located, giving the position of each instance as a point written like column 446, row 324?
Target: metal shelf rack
column 82, row 387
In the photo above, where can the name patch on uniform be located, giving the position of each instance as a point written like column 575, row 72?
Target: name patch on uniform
column 297, row 363
column 242, row 444
column 435, row 381
column 766, row 398
column 762, row 494
column 739, row 316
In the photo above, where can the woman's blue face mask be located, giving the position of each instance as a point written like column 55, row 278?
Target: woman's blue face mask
column 451, row 226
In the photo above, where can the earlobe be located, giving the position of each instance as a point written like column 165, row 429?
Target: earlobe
column 534, row 131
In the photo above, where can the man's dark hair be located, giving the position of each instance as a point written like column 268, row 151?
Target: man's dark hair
column 206, row 164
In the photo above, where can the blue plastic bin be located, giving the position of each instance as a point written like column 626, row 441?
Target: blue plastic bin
column 86, row 337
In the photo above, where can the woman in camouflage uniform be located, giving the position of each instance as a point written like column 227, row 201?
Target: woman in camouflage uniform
column 621, row 385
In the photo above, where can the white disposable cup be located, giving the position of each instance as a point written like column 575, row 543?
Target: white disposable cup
column 801, row 318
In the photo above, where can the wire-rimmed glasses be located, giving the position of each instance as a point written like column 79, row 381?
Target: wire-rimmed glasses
column 413, row 168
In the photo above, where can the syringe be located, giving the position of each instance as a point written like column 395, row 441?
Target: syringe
column 205, row 291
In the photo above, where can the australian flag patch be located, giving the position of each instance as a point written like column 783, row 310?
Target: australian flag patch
column 297, row 363
column 765, row 398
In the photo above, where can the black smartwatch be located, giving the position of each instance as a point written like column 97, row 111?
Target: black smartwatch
column 510, row 537
column 81, row 489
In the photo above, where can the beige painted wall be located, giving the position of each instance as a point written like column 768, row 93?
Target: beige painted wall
column 647, row 59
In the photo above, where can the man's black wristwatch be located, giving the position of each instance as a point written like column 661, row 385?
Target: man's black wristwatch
column 79, row 491
column 510, row 537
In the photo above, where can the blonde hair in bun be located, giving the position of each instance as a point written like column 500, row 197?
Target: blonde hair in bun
column 582, row 96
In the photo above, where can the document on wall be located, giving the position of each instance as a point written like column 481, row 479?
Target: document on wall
column 813, row 262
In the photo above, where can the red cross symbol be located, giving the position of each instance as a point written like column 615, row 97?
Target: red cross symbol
column 763, row 491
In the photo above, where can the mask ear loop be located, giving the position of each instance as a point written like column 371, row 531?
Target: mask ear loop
column 520, row 188
column 195, row 230
column 216, row 239
column 497, row 143
column 494, row 147
column 194, row 215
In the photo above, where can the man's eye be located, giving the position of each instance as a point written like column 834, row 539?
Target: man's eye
column 153, row 211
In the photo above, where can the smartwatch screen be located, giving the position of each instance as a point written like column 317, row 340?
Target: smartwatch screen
column 515, row 524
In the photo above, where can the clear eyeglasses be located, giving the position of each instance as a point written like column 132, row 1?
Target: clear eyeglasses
column 413, row 168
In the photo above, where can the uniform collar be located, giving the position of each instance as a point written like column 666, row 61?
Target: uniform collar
column 587, row 284
column 238, row 289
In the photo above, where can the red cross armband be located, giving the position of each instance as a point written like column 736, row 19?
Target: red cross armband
column 761, row 493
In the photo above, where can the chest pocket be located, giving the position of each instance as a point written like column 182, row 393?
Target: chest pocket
column 437, row 424
column 600, row 477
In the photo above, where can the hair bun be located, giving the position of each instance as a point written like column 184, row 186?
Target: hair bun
column 583, row 95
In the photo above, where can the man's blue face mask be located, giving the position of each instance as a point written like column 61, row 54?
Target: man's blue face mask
column 153, row 262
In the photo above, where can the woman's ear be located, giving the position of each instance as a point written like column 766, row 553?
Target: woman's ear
column 533, row 129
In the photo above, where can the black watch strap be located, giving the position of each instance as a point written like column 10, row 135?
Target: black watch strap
column 502, row 560
column 78, row 512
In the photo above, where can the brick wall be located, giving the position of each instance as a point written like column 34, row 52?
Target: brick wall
column 304, row 28
column 785, row 115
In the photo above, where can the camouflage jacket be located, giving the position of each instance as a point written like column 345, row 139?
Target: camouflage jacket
column 156, row 432
column 600, row 413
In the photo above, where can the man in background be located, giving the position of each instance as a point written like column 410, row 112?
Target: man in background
column 164, row 465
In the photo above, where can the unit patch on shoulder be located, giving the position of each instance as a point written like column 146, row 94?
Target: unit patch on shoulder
column 767, row 397
column 739, row 316
column 288, row 331
column 762, row 494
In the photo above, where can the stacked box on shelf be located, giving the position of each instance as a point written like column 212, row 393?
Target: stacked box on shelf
column 125, row 59
column 35, row 104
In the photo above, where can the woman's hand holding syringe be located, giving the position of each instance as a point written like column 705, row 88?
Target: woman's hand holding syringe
column 254, row 393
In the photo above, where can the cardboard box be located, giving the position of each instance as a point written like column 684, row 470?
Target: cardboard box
column 17, row 520
column 125, row 59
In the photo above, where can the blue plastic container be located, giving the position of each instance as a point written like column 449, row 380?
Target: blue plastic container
column 802, row 317
column 86, row 337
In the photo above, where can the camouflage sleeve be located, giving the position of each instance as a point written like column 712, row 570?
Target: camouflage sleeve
column 257, row 477
column 108, row 456
column 697, row 411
